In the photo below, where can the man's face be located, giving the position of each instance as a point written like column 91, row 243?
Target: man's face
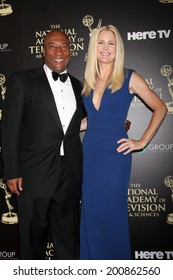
column 56, row 51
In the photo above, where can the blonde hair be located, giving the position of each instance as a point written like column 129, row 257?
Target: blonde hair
column 92, row 68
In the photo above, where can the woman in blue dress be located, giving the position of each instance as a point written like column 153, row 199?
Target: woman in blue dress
column 107, row 94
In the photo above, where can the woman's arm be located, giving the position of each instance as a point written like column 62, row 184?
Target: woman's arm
column 83, row 125
column 141, row 88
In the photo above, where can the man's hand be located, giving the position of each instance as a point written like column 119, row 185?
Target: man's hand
column 15, row 185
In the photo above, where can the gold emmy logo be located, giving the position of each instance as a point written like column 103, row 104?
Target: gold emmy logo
column 166, row 1
column 2, row 81
column 88, row 22
column 169, row 183
column 3, row 90
column 9, row 217
column 5, row 9
column 166, row 71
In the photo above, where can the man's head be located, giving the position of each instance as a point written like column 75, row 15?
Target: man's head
column 56, row 50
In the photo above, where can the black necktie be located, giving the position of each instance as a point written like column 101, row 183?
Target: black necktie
column 63, row 77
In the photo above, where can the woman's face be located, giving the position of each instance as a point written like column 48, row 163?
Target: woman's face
column 106, row 47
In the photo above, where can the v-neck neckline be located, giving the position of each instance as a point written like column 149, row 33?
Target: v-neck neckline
column 97, row 110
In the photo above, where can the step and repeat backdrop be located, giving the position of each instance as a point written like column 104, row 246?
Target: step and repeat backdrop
column 146, row 28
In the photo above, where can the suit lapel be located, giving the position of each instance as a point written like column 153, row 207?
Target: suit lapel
column 45, row 89
column 47, row 94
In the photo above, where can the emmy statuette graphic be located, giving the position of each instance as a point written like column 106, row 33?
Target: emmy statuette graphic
column 9, row 217
column 5, row 9
column 88, row 21
column 2, row 81
column 169, row 183
column 166, row 71
column 3, row 90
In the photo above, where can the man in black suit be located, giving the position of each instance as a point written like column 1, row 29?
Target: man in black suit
column 42, row 152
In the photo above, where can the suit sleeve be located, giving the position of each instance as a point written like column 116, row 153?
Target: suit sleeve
column 12, row 115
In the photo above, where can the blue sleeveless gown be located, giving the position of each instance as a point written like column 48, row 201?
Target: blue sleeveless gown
column 104, row 229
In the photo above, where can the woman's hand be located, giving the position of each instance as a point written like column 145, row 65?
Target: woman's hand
column 128, row 145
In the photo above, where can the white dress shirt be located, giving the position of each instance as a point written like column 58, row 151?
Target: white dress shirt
column 64, row 98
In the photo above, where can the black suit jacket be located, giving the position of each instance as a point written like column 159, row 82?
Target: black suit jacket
column 32, row 135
